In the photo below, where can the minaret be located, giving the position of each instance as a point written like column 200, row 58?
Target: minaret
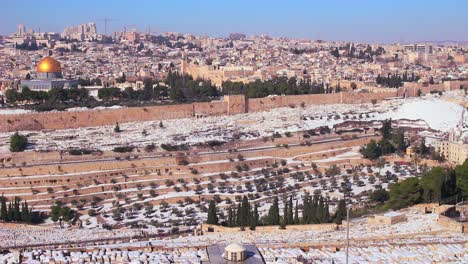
column 183, row 63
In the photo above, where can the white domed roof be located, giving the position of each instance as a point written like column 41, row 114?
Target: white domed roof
column 235, row 247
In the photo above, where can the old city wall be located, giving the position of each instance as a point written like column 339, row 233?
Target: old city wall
column 61, row 120
column 235, row 104
column 411, row 89
column 267, row 103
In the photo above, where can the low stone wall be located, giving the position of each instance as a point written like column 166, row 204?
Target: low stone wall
column 451, row 224
column 207, row 228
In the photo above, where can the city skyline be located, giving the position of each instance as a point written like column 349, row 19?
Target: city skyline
column 365, row 21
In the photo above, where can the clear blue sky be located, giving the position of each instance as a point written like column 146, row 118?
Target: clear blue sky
column 353, row 20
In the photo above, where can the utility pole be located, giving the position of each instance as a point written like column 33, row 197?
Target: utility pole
column 347, row 234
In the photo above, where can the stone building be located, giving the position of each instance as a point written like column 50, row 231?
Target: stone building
column 454, row 152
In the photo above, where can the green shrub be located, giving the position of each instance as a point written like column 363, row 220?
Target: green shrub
column 18, row 142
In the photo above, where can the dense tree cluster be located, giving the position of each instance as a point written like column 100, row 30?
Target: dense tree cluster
column 173, row 42
column 89, row 82
column 350, row 51
column 277, row 86
column 183, row 86
column 60, row 212
column 50, row 100
column 15, row 211
column 28, row 46
column 391, row 142
column 438, row 185
column 367, row 53
column 395, row 80
column 314, row 210
column 150, row 91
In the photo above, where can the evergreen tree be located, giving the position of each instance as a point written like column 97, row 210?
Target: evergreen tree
column 290, row 212
column 422, row 150
column 230, row 221
column 245, row 211
column 321, row 210
column 26, row 213
column 3, row 209
column 461, row 172
column 296, row 215
column 10, row 212
column 16, row 210
column 254, row 218
column 239, row 215
column 386, row 129
column 371, row 150
column 273, row 213
column 285, row 211
column 404, row 193
column 212, row 216
column 18, row 142
column 400, row 141
column 327, row 212
column 340, row 213
column 305, row 213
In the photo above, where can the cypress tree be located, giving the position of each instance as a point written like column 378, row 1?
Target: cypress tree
column 285, row 211
column 313, row 211
column 17, row 211
column 212, row 217
column 290, row 211
column 23, row 215
column 239, row 215
column 27, row 213
column 296, row 215
column 305, row 218
column 254, row 219
column 230, row 221
column 10, row 212
column 273, row 213
column 340, row 213
column 245, row 220
column 256, row 216
column 327, row 212
column 3, row 209
column 234, row 217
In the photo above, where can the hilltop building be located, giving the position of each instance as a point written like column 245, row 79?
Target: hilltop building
column 455, row 149
column 81, row 32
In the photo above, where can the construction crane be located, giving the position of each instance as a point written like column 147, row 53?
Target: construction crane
column 106, row 20
column 130, row 27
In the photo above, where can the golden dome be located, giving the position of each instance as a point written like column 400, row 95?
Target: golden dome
column 49, row 64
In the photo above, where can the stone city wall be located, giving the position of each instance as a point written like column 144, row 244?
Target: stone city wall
column 235, row 104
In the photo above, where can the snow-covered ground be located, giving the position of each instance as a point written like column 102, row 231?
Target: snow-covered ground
column 7, row 111
column 429, row 112
column 365, row 237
